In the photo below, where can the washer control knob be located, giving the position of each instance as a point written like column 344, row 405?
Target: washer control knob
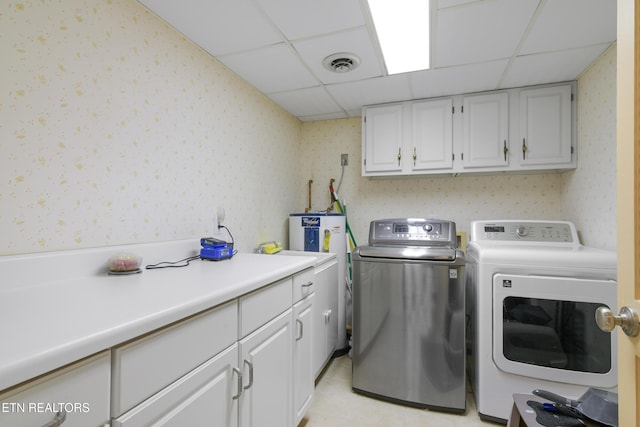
column 522, row 231
column 428, row 228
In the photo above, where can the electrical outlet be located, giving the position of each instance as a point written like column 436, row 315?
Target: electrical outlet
column 344, row 160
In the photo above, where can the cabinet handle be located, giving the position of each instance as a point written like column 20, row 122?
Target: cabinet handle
column 237, row 371
column 327, row 316
column 399, row 155
column 415, row 156
column 524, row 149
column 301, row 329
column 246, row 362
column 306, row 285
column 505, row 150
column 57, row 420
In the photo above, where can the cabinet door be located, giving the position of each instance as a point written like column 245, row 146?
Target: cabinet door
column 485, row 130
column 319, row 323
column 382, row 133
column 303, row 378
column 334, row 287
column 432, row 143
column 267, row 371
column 147, row 365
column 79, row 393
column 325, row 315
column 207, row 396
column 545, row 126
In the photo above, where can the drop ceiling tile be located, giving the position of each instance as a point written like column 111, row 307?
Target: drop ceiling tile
column 331, row 116
column 307, row 102
column 358, row 42
column 480, row 31
column 443, row 4
column 569, row 24
column 271, row 69
column 305, row 18
column 551, row 67
column 217, row 26
column 457, row 80
column 475, row 46
column 353, row 95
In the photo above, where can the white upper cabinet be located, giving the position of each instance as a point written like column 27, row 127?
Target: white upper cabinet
column 408, row 138
column 383, row 129
column 485, row 131
column 432, row 127
column 514, row 130
column 545, row 126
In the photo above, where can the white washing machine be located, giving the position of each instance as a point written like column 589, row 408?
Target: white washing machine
column 532, row 293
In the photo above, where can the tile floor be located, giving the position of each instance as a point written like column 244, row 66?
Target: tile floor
column 335, row 405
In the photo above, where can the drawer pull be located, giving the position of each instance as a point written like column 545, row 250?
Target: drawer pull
column 299, row 322
column 246, row 362
column 306, row 285
column 59, row 418
column 327, row 316
column 237, row 371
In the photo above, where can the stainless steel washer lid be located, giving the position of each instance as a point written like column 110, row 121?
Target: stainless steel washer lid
column 413, row 252
column 413, row 232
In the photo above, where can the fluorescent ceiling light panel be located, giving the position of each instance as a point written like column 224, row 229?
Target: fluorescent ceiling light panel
column 403, row 32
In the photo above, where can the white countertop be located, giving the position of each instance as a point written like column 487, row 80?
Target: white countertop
column 50, row 316
column 321, row 257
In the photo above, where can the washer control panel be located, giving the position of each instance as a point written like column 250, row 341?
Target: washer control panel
column 525, row 231
column 412, row 231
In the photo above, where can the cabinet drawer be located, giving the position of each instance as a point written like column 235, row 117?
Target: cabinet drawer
column 202, row 397
column 81, row 390
column 147, row 365
column 258, row 307
column 303, row 284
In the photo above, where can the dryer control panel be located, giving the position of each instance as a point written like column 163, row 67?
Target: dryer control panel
column 556, row 232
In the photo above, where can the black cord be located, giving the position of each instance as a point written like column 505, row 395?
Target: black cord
column 186, row 261
column 172, row 264
column 225, row 227
column 230, row 235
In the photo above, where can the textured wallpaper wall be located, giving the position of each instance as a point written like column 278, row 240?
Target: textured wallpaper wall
column 114, row 129
column 585, row 196
column 461, row 199
column 589, row 193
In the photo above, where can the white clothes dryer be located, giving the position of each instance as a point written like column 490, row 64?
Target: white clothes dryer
column 532, row 293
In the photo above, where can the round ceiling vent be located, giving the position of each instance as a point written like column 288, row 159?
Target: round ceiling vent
column 341, row 62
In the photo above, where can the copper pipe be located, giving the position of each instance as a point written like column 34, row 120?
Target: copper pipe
column 309, row 208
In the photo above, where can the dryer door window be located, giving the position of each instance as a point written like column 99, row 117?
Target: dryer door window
column 544, row 327
column 554, row 333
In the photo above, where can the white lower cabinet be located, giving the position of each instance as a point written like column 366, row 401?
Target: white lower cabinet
column 267, row 370
column 325, row 314
column 207, row 396
column 303, row 378
column 232, row 365
column 143, row 367
column 74, row 396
